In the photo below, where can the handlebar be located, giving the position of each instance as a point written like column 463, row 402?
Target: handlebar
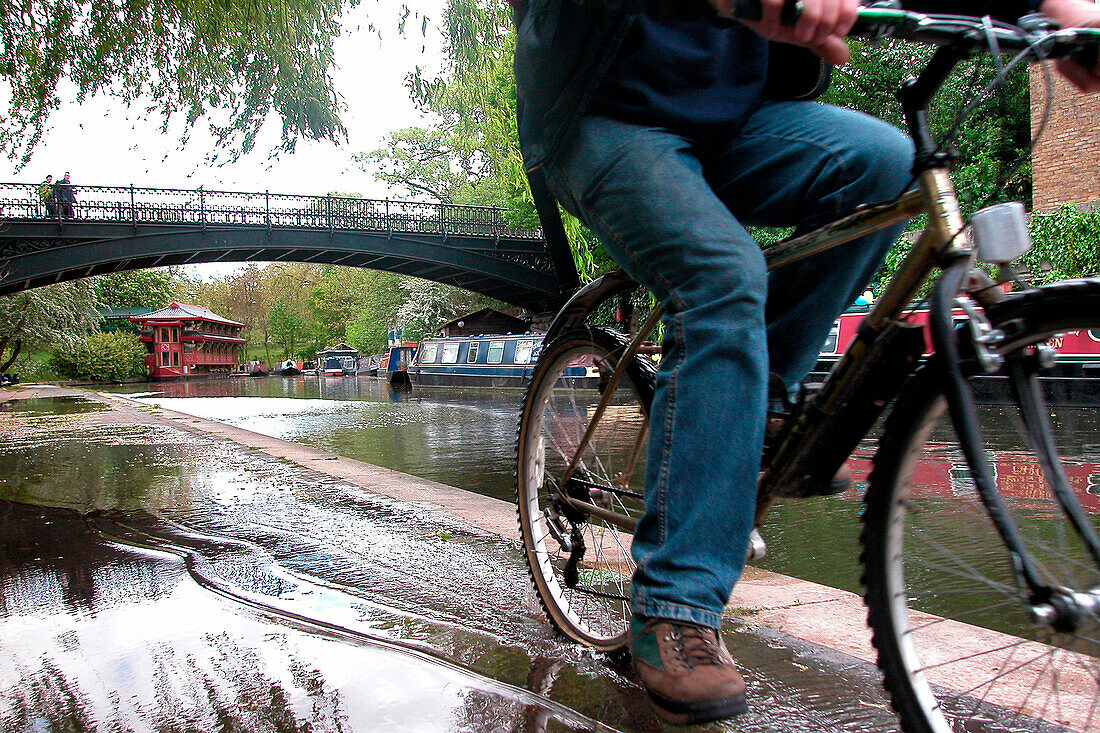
column 1037, row 33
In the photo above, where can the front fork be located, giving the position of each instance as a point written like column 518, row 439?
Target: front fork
column 1060, row 608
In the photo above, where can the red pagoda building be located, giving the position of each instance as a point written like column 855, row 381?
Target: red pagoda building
column 185, row 340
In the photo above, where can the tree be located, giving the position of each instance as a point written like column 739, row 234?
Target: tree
column 335, row 300
column 106, row 357
column 368, row 330
column 995, row 135
column 470, row 154
column 290, row 321
column 428, row 305
column 55, row 315
column 135, row 289
column 240, row 60
column 285, row 327
column 425, row 163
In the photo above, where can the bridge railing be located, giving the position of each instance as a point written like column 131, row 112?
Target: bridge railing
column 230, row 208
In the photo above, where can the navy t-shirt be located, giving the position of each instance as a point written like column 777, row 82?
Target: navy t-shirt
column 684, row 74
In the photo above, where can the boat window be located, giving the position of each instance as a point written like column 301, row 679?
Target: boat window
column 428, row 354
column 471, row 357
column 496, row 352
column 450, row 353
column 829, row 347
column 523, row 351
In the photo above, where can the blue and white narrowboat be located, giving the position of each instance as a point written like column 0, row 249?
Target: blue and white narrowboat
column 394, row 366
column 476, row 361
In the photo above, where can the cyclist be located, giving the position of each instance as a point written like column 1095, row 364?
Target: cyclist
column 666, row 130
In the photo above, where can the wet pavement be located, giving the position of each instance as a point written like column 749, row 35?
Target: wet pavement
column 156, row 576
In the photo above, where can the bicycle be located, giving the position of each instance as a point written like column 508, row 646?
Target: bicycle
column 1017, row 578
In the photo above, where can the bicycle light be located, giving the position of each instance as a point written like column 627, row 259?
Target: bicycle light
column 1000, row 232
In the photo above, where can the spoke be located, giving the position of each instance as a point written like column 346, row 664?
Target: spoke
column 587, row 458
column 1036, row 418
column 935, row 620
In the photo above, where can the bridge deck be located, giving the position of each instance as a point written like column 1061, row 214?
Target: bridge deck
column 110, row 228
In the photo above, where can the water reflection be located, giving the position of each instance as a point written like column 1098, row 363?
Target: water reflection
column 464, row 438
column 942, row 476
column 227, row 592
column 98, row 634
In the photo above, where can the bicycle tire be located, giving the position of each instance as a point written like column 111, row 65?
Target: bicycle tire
column 581, row 565
column 954, row 643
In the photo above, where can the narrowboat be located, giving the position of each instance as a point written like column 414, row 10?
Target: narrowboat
column 394, row 365
column 337, row 361
column 475, row 361
column 370, row 365
column 1075, row 378
column 288, row 368
column 338, row 366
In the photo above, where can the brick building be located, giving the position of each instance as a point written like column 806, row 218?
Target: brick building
column 1066, row 161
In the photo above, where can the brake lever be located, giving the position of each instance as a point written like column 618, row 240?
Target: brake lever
column 1088, row 56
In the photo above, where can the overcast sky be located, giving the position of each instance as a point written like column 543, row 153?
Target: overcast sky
column 103, row 143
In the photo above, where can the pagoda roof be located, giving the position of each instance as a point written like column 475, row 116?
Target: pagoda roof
column 182, row 311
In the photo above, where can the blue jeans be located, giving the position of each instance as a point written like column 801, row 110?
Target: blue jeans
column 670, row 209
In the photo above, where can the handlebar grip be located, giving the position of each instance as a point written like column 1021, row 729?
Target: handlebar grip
column 753, row 11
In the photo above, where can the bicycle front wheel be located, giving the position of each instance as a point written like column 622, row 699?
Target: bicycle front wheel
column 958, row 641
column 580, row 560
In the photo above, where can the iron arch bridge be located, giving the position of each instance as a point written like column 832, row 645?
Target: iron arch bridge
column 110, row 229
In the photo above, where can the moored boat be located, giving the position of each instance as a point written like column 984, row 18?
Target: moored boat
column 288, row 368
column 337, row 366
column 1074, row 378
column 476, row 361
column 394, row 365
column 338, row 361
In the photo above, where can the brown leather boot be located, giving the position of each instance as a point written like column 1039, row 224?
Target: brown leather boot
column 686, row 670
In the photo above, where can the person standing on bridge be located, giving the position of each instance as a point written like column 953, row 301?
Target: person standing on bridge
column 45, row 195
column 66, row 197
column 666, row 130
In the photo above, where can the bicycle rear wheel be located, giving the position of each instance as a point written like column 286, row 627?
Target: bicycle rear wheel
column 581, row 563
column 956, row 644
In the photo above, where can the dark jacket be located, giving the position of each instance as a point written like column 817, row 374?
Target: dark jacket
column 564, row 48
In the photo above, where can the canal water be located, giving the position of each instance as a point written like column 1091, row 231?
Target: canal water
column 463, row 438
column 466, row 438
column 153, row 579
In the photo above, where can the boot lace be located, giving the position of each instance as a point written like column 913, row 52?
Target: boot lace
column 696, row 646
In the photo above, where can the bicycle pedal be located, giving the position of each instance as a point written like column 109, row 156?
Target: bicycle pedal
column 757, row 547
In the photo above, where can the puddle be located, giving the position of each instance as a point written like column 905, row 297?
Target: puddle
column 155, row 579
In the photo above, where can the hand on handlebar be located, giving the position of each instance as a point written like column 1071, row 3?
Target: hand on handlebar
column 821, row 25
column 1076, row 14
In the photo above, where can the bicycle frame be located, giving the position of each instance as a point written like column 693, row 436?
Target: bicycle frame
column 581, row 444
column 848, row 403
